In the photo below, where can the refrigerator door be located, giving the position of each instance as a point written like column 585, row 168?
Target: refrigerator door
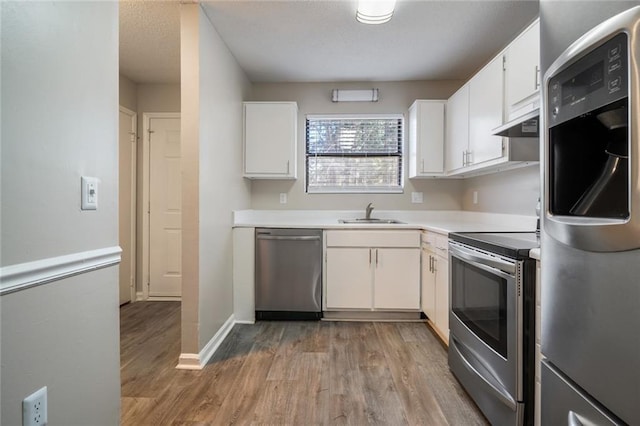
column 590, row 322
column 564, row 404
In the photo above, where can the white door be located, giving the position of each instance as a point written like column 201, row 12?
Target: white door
column 485, row 112
column 349, row 278
column 397, row 278
column 126, row 201
column 165, row 208
column 457, row 129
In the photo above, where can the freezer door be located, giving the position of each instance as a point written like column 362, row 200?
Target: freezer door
column 564, row 404
column 590, row 320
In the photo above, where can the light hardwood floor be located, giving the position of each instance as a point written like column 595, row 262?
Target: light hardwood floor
column 289, row 373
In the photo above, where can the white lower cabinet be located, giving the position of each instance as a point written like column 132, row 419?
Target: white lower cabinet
column 435, row 282
column 369, row 270
column 348, row 278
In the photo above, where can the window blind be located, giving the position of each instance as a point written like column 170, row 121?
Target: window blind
column 354, row 153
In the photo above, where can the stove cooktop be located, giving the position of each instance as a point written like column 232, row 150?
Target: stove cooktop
column 515, row 245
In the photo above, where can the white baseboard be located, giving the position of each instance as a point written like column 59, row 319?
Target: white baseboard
column 30, row 274
column 245, row 321
column 139, row 296
column 164, row 299
column 197, row 361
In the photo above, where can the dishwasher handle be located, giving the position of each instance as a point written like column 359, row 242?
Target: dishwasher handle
column 288, row 238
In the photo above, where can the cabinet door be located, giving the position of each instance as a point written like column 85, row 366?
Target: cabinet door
column 428, row 295
column 442, row 296
column 396, row 278
column 349, row 275
column 270, row 139
column 486, row 112
column 426, row 138
column 523, row 70
column 457, row 129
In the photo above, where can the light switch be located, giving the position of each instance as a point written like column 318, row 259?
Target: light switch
column 89, row 193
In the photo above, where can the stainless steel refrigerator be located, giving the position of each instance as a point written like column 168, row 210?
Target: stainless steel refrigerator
column 590, row 291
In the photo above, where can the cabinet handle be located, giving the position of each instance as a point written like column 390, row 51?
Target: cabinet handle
column 537, row 77
column 464, row 158
column 376, row 258
column 435, row 262
column 370, row 256
column 422, row 165
column 287, row 166
column 469, row 157
column 430, row 263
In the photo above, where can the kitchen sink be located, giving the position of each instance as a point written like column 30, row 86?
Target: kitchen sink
column 370, row 220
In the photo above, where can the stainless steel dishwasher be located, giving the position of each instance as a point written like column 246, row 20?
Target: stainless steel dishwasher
column 288, row 273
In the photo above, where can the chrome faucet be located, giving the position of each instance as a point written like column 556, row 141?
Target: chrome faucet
column 368, row 211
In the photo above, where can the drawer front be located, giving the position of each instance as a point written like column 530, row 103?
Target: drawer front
column 565, row 404
column 373, row 239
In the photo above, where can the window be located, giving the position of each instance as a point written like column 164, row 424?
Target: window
column 354, row 153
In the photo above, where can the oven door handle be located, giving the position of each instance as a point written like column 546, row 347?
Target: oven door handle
column 477, row 259
column 502, row 395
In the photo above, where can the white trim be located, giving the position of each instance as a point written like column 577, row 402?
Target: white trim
column 146, row 180
column 139, row 296
column 30, row 274
column 246, row 322
column 198, row 361
column 134, row 198
column 164, row 299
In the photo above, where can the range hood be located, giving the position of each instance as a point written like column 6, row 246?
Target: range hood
column 526, row 126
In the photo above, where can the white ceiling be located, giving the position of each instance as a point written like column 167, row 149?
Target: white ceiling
column 320, row 40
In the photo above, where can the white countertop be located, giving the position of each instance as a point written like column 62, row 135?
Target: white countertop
column 441, row 221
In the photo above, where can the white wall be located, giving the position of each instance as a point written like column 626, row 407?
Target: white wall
column 60, row 122
column 514, row 192
column 213, row 88
column 315, row 98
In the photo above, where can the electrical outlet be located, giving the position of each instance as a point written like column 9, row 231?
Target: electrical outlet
column 417, row 197
column 283, row 198
column 34, row 408
column 475, row 197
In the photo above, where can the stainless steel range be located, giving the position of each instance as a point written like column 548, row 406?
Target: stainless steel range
column 492, row 322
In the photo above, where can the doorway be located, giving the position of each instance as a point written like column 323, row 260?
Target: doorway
column 127, row 203
column 162, row 221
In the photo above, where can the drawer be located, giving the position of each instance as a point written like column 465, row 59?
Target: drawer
column 564, row 403
column 442, row 245
column 410, row 239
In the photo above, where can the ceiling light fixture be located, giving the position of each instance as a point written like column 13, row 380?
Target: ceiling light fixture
column 350, row 95
column 375, row 11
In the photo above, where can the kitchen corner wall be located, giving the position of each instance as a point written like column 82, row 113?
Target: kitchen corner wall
column 213, row 88
column 315, row 98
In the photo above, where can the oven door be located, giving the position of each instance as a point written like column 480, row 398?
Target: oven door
column 485, row 326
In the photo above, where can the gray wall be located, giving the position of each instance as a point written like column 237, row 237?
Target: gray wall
column 60, row 122
column 315, row 98
column 513, row 192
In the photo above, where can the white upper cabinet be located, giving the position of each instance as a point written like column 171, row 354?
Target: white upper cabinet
column 523, row 72
column 270, row 134
column 486, row 91
column 426, row 138
column 457, row 129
